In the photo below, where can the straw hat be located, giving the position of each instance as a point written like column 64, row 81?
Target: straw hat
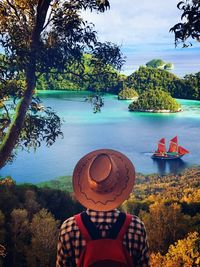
column 103, row 179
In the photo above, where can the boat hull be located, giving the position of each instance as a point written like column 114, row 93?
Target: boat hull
column 166, row 157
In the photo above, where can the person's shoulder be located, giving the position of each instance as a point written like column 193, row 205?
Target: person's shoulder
column 136, row 224
column 68, row 225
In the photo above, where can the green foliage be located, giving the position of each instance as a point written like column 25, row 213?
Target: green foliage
column 190, row 25
column 92, row 75
column 155, row 100
column 61, row 183
column 150, row 78
column 29, row 229
column 44, row 125
column 168, row 66
column 39, row 38
column 159, row 64
column 191, row 86
column 155, row 63
column 127, row 93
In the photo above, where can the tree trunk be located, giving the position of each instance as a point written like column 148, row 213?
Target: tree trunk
column 16, row 126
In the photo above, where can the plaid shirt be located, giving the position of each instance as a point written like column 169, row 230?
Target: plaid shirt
column 71, row 243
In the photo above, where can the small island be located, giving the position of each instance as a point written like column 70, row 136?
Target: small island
column 156, row 101
column 159, row 64
column 128, row 94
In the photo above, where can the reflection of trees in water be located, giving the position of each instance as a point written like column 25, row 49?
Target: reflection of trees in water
column 174, row 166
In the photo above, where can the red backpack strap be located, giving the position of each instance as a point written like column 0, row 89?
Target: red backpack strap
column 82, row 227
column 125, row 226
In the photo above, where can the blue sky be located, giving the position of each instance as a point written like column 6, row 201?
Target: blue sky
column 142, row 29
column 137, row 22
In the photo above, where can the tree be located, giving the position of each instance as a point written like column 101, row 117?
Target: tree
column 20, row 233
column 190, row 27
column 2, row 228
column 31, row 204
column 191, row 86
column 39, row 36
column 127, row 93
column 165, row 225
column 185, row 252
column 44, row 229
column 2, row 236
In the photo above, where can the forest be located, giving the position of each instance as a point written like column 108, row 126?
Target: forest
column 110, row 81
column 155, row 101
column 168, row 205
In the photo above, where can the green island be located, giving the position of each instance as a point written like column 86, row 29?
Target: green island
column 160, row 64
column 169, row 206
column 157, row 101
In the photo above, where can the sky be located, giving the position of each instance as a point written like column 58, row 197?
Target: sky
column 141, row 21
column 142, row 29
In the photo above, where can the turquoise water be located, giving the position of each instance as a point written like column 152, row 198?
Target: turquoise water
column 134, row 134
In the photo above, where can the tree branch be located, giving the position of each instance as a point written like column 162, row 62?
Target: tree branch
column 14, row 8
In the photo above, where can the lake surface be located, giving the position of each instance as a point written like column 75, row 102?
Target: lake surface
column 134, row 134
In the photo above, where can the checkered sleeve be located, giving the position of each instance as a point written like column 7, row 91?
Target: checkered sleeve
column 145, row 250
column 64, row 247
column 143, row 259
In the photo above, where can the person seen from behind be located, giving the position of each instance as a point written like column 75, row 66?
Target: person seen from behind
column 102, row 235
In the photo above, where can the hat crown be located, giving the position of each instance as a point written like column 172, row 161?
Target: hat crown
column 100, row 168
column 103, row 179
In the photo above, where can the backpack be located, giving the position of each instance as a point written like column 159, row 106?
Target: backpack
column 108, row 251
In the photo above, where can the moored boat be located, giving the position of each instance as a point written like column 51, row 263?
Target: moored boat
column 174, row 152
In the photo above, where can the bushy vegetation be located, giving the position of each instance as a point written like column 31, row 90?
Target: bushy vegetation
column 155, row 63
column 111, row 81
column 168, row 66
column 159, row 63
column 169, row 206
column 127, row 93
column 146, row 78
column 155, row 100
column 89, row 76
column 150, row 78
column 30, row 221
column 191, row 86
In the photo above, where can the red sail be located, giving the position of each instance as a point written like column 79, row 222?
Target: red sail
column 182, row 150
column 161, row 146
column 173, row 146
column 174, row 140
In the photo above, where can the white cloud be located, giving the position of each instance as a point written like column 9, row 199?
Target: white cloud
column 135, row 22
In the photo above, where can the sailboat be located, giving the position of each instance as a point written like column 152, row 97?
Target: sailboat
column 175, row 151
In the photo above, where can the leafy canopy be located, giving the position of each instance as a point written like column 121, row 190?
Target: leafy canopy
column 190, row 25
column 40, row 37
column 127, row 93
column 155, row 100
